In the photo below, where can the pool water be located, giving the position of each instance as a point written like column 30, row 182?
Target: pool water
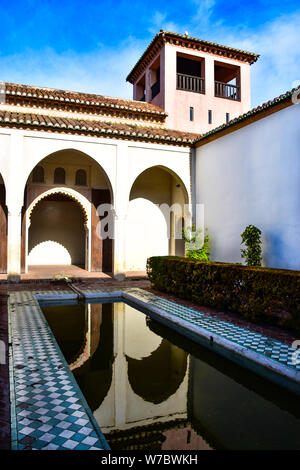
column 150, row 388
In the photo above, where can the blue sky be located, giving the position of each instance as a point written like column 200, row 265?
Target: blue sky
column 92, row 45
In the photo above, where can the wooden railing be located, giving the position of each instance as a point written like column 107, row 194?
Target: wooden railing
column 190, row 83
column 223, row 90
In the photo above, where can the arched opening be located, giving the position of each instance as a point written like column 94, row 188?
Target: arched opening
column 3, row 228
column 59, row 176
column 38, row 174
column 155, row 217
column 57, row 232
column 80, row 179
column 68, row 175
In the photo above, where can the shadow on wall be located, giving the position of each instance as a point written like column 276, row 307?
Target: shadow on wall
column 278, row 250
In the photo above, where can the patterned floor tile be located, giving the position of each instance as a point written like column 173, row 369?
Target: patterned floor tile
column 47, row 400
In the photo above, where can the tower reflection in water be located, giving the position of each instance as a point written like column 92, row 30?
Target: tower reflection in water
column 149, row 388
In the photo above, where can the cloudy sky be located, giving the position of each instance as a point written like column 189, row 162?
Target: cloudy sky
column 92, row 45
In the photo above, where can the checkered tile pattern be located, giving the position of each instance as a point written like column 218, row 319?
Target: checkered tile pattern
column 50, row 411
column 254, row 341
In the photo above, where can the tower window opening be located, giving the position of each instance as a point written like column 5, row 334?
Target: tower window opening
column 209, row 116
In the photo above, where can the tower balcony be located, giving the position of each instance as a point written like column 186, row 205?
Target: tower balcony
column 190, row 83
column 230, row 92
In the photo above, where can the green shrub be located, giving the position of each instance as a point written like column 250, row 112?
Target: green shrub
column 260, row 294
column 251, row 237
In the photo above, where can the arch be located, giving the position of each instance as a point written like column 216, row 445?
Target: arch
column 81, row 200
column 80, row 178
column 59, row 176
column 85, row 207
column 168, row 170
column 58, row 148
column 160, row 187
column 100, row 251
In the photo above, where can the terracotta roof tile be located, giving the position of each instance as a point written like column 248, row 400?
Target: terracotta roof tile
column 50, row 95
column 250, row 114
column 41, row 122
column 188, row 41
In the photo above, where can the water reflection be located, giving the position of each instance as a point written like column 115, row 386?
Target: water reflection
column 149, row 388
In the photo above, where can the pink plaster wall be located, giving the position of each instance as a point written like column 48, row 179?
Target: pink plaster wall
column 177, row 103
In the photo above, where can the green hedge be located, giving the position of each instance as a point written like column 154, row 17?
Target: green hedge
column 260, row 294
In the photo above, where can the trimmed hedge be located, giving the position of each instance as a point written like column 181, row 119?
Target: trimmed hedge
column 260, row 294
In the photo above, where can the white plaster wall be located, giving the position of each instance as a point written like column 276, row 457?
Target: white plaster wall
column 121, row 161
column 178, row 102
column 146, row 234
column 252, row 176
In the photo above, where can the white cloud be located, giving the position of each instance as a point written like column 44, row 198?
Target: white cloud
column 104, row 70
column 279, row 65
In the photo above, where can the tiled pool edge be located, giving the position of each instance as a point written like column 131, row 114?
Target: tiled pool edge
column 14, row 423
column 75, row 385
column 258, row 363
column 13, row 419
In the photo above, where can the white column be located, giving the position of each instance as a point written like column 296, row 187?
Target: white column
column 121, row 206
column 210, row 78
column 14, row 223
column 14, row 203
column 119, row 248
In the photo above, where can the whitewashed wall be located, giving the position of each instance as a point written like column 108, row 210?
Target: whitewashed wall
column 252, row 176
column 122, row 162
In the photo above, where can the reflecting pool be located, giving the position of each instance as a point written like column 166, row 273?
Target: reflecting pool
column 150, row 388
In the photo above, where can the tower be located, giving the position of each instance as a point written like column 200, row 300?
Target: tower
column 200, row 84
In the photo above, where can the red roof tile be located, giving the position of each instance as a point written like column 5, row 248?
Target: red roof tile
column 190, row 42
column 42, row 122
column 17, row 92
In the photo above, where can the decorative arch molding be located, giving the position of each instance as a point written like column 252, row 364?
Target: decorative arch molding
column 70, row 193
